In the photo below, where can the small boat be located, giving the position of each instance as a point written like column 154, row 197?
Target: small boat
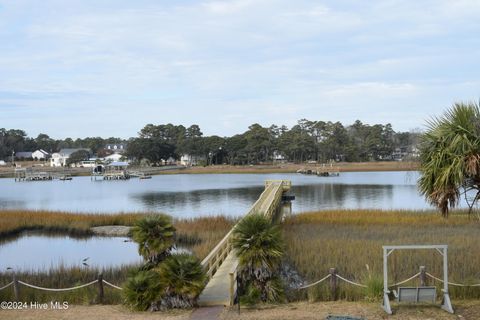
column 65, row 178
column 145, row 177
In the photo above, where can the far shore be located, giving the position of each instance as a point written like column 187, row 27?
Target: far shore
column 7, row 172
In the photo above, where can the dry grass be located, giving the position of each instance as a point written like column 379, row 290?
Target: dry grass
column 351, row 240
column 201, row 235
column 15, row 221
column 198, row 234
column 292, row 168
column 66, row 278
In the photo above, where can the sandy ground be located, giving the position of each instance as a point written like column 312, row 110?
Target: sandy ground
column 370, row 311
column 96, row 312
column 469, row 310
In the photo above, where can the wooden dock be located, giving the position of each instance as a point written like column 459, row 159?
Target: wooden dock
column 222, row 262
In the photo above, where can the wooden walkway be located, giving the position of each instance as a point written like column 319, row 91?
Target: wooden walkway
column 221, row 264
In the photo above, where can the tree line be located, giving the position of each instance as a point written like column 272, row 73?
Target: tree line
column 306, row 141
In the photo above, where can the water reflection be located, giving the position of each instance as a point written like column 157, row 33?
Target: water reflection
column 214, row 194
column 201, row 202
column 34, row 251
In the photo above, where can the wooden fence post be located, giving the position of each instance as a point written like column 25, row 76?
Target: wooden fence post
column 423, row 276
column 100, row 288
column 333, row 283
column 16, row 289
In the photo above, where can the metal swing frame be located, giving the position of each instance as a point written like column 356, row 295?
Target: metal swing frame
column 442, row 249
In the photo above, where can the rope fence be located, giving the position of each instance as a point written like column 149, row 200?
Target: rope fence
column 351, row 282
column 6, row 286
column 315, row 283
column 58, row 290
column 453, row 283
column 112, row 285
column 333, row 275
column 406, row 280
column 99, row 282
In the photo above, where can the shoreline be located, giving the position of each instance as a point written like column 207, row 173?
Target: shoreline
column 377, row 166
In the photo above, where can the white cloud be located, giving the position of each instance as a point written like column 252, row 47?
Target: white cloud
column 238, row 61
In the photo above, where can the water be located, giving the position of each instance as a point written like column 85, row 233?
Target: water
column 35, row 251
column 213, row 194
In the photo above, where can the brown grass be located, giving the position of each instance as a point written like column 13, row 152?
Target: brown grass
column 15, row 221
column 198, row 234
column 292, row 168
column 201, row 235
column 349, row 240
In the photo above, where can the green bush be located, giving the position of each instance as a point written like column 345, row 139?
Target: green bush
column 183, row 279
column 142, row 289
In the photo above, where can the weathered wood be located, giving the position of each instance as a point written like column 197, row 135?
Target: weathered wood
column 100, row 289
column 423, row 276
column 16, row 288
column 333, row 283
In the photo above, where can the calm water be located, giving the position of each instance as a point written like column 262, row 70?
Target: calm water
column 33, row 251
column 213, row 194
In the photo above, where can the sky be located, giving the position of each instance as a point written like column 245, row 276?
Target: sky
column 82, row 68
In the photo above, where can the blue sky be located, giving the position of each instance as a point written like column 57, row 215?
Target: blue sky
column 107, row 68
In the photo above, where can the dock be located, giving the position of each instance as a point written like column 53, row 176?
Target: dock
column 221, row 263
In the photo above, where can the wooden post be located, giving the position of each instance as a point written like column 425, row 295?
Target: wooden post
column 333, row 283
column 423, row 276
column 100, row 288
column 16, row 289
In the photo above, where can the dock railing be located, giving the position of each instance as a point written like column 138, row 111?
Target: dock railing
column 266, row 204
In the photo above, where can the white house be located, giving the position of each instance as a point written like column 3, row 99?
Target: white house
column 190, row 160
column 113, row 157
column 59, row 159
column 278, row 157
column 116, row 147
column 40, row 154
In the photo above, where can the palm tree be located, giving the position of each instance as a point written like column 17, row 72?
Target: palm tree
column 155, row 236
column 259, row 246
column 450, row 158
column 142, row 289
column 183, row 278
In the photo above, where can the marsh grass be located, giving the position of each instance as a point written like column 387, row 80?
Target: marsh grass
column 351, row 239
column 197, row 234
column 63, row 277
column 13, row 222
column 200, row 235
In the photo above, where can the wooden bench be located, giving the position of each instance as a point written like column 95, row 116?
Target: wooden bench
column 416, row 294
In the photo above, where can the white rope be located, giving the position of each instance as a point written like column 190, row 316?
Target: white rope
column 351, row 282
column 57, row 290
column 402, row 282
column 6, row 286
column 453, row 283
column 316, row 282
column 112, row 285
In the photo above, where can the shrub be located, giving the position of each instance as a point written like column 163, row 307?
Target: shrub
column 260, row 248
column 142, row 289
column 183, row 279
